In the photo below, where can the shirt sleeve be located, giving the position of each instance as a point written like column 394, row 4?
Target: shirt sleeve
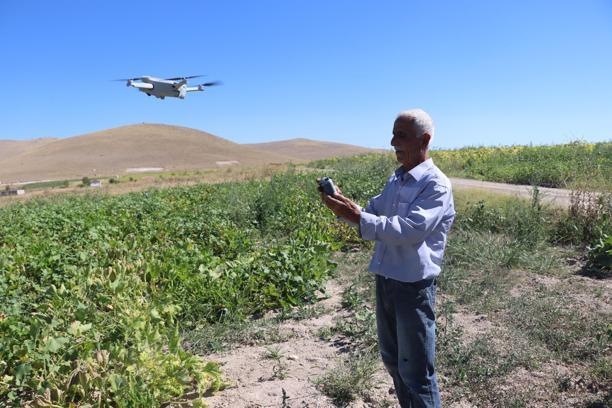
column 413, row 225
column 373, row 204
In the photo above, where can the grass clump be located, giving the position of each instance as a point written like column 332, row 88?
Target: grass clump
column 280, row 368
column 352, row 378
column 302, row 312
column 472, row 366
column 548, row 318
column 221, row 336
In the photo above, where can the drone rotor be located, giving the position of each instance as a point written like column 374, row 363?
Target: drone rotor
column 183, row 78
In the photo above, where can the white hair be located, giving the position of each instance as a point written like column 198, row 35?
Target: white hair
column 421, row 121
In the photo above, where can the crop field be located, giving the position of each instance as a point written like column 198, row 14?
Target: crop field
column 98, row 293
column 574, row 165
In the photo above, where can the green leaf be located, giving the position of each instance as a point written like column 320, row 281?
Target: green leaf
column 77, row 328
column 21, row 372
column 54, row 344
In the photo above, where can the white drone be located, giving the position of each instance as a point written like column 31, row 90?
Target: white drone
column 160, row 88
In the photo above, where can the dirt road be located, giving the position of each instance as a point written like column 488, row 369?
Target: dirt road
column 553, row 196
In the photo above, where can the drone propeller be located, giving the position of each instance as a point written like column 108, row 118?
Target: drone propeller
column 182, row 78
column 128, row 79
column 204, row 85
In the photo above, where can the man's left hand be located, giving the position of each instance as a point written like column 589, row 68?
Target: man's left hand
column 342, row 207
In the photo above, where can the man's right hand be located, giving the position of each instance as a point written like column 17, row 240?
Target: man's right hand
column 342, row 206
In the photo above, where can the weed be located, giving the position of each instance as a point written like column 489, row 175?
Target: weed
column 325, row 333
column 360, row 325
column 218, row 337
column 602, row 370
column 546, row 317
column 273, row 353
column 280, row 368
column 351, row 298
column 517, row 402
column 475, row 364
column 351, row 378
column 303, row 312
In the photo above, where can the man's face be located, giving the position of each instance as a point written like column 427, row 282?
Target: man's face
column 408, row 147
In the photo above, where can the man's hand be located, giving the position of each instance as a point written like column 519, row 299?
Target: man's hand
column 342, row 207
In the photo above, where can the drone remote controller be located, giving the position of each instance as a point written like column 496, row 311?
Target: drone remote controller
column 326, row 185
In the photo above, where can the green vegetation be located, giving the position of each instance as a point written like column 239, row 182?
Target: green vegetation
column 94, row 293
column 108, row 300
column 47, row 184
column 577, row 165
column 572, row 165
column 351, row 378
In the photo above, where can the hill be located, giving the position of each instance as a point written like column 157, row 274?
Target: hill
column 306, row 149
column 117, row 150
column 10, row 148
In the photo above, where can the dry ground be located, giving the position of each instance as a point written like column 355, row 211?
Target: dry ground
column 286, row 362
column 280, row 366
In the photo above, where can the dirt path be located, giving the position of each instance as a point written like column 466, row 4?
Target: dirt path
column 554, row 196
column 284, row 374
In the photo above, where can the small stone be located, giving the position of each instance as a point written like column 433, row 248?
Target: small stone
column 292, row 357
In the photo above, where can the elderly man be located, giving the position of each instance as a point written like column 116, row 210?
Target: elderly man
column 409, row 221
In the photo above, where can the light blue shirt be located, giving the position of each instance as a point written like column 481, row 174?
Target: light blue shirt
column 410, row 221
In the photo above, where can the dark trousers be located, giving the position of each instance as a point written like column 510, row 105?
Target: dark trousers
column 406, row 326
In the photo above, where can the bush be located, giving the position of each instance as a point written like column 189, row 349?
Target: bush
column 599, row 257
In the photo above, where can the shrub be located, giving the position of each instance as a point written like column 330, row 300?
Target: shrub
column 599, row 257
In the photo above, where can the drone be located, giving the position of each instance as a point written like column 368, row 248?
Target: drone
column 160, row 88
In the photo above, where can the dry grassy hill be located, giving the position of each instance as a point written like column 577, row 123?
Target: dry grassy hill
column 10, row 148
column 116, row 150
column 148, row 146
column 306, row 149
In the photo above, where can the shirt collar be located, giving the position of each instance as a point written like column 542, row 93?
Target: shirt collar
column 416, row 172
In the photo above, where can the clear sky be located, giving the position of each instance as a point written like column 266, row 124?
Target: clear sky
column 489, row 72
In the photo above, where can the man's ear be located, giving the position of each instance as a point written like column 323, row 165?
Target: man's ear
column 425, row 141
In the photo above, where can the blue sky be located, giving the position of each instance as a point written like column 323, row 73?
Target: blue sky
column 489, row 72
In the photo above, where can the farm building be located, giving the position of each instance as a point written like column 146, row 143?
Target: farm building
column 11, row 192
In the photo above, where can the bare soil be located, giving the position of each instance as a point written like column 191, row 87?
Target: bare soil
column 260, row 381
column 257, row 379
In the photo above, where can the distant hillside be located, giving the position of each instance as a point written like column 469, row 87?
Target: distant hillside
column 116, row 150
column 306, row 149
column 13, row 147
